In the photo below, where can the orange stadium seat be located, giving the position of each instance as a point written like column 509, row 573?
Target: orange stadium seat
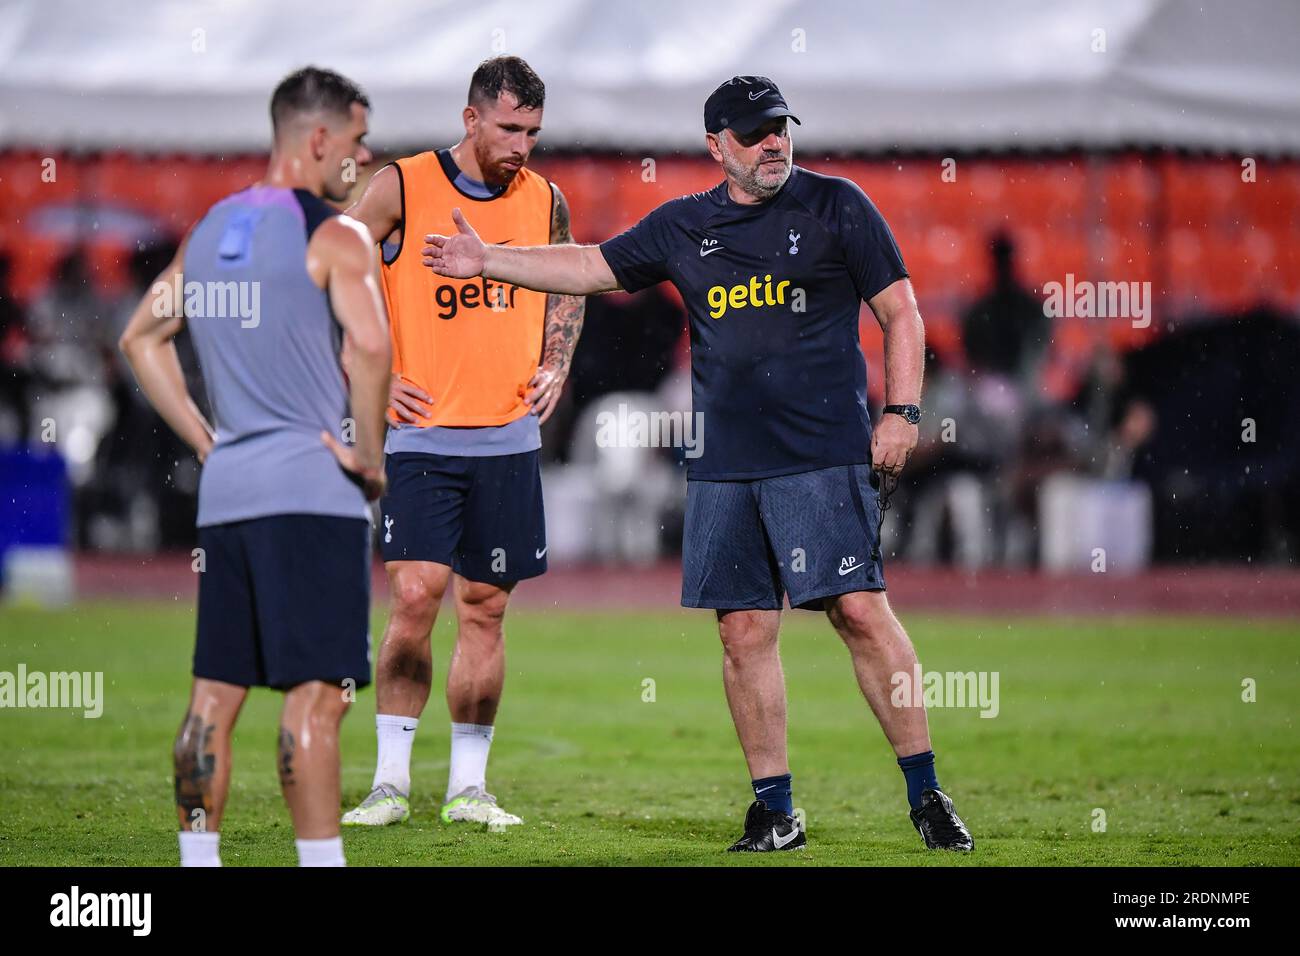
column 1047, row 254
column 910, row 243
column 937, row 259
column 1185, row 273
column 588, row 188
column 1050, row 192
column 955, row 204
column 875, row 178
column 943, row 334
column 25, row 190
column 1200, row 276
column 1203, row 194
column 1123, row 253
column 965, row 253
column 1130, row 189
column 991, row 194
column 123, row 179
column 1240, row 271
column 636, row 197
column 1273, row 199
column 908, row 184
column 27, row 184
column 179, row 191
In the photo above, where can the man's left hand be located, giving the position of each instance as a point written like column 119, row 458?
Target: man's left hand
column 892, row 443
column 544, row 390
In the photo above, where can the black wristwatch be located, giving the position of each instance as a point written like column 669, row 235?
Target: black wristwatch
column 911, row 412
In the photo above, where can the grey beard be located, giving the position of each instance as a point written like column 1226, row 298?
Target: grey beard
column 748, row 181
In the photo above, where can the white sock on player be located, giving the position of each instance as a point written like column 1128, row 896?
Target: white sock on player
column 200, row 848
column 470, row 744
column 396, row 734
column 327, row 852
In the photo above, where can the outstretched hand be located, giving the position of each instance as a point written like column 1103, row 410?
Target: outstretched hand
column 460, row 256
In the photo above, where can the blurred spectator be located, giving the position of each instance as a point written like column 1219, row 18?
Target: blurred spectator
column 1006, row 331
column 1115, row 423
column 947, row 500
column 1047, row 446
column 70, row 327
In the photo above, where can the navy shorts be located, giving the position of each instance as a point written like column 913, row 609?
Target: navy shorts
column 283, row 600
column 480, row 516
column 812, row 535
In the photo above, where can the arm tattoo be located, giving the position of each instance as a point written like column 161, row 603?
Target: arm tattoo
column 286, row 758
column 195, row 765
column 564, row 313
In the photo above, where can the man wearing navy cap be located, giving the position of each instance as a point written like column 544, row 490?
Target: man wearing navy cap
column 773, row 265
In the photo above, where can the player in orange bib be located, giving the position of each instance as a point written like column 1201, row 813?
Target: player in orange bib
column 477, row 367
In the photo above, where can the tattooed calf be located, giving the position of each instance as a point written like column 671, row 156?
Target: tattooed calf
column 195, row 766
column 286, row 757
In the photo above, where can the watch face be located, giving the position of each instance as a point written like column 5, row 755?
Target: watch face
column 913, row 414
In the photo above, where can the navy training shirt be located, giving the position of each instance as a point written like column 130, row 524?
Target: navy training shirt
column 773, row 292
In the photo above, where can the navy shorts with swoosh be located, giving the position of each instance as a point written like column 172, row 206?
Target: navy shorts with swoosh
column 480, row 515
column 811, row 535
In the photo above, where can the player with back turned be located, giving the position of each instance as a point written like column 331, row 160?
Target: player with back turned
column 283, row 524
column 773, row 264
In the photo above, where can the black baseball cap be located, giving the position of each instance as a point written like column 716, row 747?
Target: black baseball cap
column 743, row 104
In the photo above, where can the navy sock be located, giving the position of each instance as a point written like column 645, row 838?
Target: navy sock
column 918, row 770
column 776, row 792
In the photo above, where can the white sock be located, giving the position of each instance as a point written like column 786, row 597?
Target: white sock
column 327, row 852
column 396, row 734
column 199, row 848
column 470, row 744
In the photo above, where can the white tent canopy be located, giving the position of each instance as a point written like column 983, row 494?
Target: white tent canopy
column 911, row 74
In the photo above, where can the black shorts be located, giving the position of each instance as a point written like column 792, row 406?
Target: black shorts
column 284, row 600
column 480, row 516
column 813, row 535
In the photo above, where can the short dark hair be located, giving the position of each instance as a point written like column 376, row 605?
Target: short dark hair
column 507, row 74
column 311, row 89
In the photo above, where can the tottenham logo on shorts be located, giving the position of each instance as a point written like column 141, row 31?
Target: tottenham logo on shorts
column 388, row 529
column 794, row 242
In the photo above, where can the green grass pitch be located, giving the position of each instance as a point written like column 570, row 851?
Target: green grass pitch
column 1141, row 718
